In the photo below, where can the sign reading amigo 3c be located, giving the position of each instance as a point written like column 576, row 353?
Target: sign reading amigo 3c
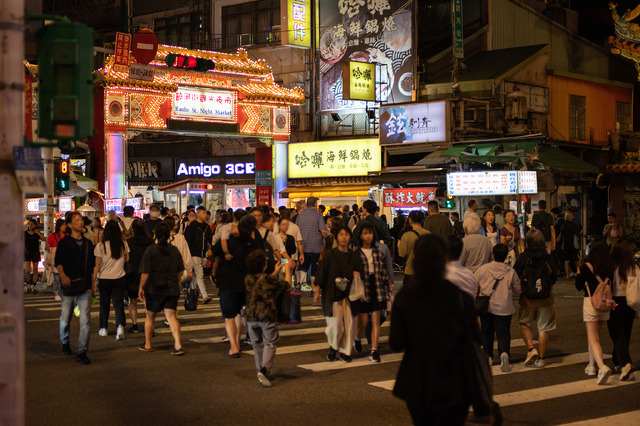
column 204, row 104
column 426, row 122
column 355, row 157
column 359, row 79
column 236, row 167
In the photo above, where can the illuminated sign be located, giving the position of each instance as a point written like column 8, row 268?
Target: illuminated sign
column 527, row 182
column 65, row 204
column 63, row 167
column 136, row 203
column 408, row 197
column 222, row 167
column 374, row 31
column 296, row 24
column 426, row 122
column 355, row 157
column 204, row 104
column 359, row 81
column 491, row 183
column 113, row 204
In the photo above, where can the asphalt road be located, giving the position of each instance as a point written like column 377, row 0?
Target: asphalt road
column 124, row 386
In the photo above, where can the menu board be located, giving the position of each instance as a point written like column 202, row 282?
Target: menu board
column 507, row 182
column 528, row 182
column 408, row 197
column 113, row 204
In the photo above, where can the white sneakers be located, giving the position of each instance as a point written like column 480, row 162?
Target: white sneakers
column 120, row 333
column 591, row 371
column 504, row 363
column 57, row 298
column 540, row 363
column 603, row 375
column 532, row 357
column 102, row 332
column 626, row 371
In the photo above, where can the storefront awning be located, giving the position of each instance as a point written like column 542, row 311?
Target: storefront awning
column 326, row 191
column 558, row 160
column 503, row 152
column 405, row 178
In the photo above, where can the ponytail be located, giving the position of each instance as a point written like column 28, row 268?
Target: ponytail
column 163, row 233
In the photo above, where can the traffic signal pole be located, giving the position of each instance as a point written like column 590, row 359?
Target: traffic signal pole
column 49, row 166
column 12, row 327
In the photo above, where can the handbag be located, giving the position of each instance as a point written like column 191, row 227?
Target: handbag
column 190, row 297
column 482, row 302
column 290, row 313
column 79, row 284
column 357, row 289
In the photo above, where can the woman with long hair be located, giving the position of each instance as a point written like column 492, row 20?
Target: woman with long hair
column 32, row 238
column 598, row 268
column 489, row 228
column 111, row 255
column 51, row 246
column 510, row 236
column 98, row 230
column 621, row 320
column 159, row 288
column 336, row 273
column 138, row 244
column 431, row 320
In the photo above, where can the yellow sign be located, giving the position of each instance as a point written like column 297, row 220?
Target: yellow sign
column 358, row 81
column 296, row 23
column 355, row 157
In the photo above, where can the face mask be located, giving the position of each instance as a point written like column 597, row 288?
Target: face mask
column 153, row 214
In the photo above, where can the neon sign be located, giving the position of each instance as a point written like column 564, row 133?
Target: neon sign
column 243, row 166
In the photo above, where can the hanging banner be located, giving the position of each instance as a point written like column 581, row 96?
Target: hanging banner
column 296, row 23
column 121, row 51
column 412, row 123
column 377, row 32
column 408, row 197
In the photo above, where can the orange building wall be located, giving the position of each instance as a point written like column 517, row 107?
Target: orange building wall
column 601, row 108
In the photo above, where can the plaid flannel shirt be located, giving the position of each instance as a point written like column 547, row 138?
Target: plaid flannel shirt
column 381, row 284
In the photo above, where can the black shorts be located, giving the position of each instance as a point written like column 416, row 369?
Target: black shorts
column 32, row 257
column 133, row 284
column 231, row 303
column 570, row 255
column 133, row 294
column 157, row 303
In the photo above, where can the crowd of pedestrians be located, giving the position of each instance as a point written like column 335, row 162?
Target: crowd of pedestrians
column 461, row 274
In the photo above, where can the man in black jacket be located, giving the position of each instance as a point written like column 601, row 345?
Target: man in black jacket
column 198, row 235
column 75, row 262
column 381, row 229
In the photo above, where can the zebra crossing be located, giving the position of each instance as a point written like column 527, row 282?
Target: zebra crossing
column 206, row 327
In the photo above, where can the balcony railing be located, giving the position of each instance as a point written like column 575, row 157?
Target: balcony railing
column 219, row 42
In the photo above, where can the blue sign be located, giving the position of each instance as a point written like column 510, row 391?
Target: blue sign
column 29, row 169
column 264, row 178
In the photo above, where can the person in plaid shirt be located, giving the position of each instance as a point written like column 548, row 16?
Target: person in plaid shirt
column 376, row 288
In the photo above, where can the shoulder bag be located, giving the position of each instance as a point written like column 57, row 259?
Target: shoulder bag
column 602, row 298
column 482, row 302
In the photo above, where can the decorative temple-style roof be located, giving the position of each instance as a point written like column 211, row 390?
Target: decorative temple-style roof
column 111, row 76
column 238, row 62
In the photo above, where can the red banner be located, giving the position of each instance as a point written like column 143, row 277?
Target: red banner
column 408, row 197
column 263, row 195
column 28, row 107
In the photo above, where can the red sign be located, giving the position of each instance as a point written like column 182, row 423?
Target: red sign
column 263, row 195
column 28, row 110
column 123, row 43
column 408, row 197
column 145, row 46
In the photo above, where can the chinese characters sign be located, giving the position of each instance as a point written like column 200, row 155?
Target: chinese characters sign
column 491, row 183
column 458, row 38
column 201, row 103
column 296, row 28
column 410, row 123
column 371, row 31
column 334, row 158
column 408, row 197
column 121, row 51
column 528, row 182
column 359, row 81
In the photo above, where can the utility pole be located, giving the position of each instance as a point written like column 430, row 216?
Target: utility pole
column 12, row 25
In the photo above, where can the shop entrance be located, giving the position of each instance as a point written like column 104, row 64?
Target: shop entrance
column 194, row 192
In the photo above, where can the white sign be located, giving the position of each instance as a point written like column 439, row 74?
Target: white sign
column 29, row 169
column 140, row 72
column 528, row 182
column 114, row 204
column 65, row 204
column 201, row 103
column 412, row 123
column 491, row 183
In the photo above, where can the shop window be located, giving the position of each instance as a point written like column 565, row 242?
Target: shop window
column 577, row 117
column 623, row 116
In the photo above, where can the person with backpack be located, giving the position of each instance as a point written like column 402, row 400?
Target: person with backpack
column 160, row 287
column 500, row 282
column 408, row 241
column 597, row 271
column 111, row 255
column 126, row 221
column 261, row 313
column 198, row 235
column 570, row 244
column 437, row 223
column 544, row 222
column 138, row 244
column 537, row 272
column 381, row 229
column 626, row 278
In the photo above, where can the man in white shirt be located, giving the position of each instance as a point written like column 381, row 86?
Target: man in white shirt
column 457, row 274
column 125, row 222
column 473, row 209
column 265, row 227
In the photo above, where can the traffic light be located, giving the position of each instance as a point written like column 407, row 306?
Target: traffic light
column 61, row 178
column 189, row 62
column 65, row 81
column 448, row 202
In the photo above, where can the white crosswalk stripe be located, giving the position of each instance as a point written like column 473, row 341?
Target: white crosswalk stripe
column 624, row 419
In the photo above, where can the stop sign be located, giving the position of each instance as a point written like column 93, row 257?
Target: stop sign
column 144, row 46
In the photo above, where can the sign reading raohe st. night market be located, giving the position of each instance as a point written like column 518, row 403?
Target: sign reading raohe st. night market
column 355, row 157
column 409, row 123
column 374, row 31
column 204, row 103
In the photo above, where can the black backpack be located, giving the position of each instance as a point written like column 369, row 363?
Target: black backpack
column 541, row 225
column 268, row 251
column 536, row 279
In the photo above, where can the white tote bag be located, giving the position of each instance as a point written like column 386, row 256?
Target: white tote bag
column 633, row 290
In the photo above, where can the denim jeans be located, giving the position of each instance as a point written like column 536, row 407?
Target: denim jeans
column 198, row 274
column 310, row 265
column 264, row 336
column 56, row 282
column 84, row 303
column 501, row 326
